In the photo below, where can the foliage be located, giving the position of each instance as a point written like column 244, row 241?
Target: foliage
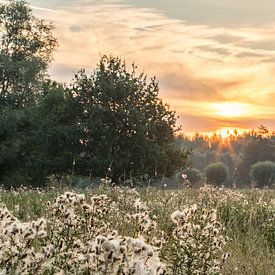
column 263, row 173
column 237, row 151
column 228, row 160
column 50, row 140
column 26, row 45
column 12, row 123
column 126, row 130
column 138, row 232
column 39, row 140
column 216, row 173
column 111, row 123
column 261, row 149
column 193, row 175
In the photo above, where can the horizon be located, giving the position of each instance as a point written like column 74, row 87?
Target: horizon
column 226, row 133
column 214, row 62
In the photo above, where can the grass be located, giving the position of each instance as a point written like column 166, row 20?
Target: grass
column 247, row 217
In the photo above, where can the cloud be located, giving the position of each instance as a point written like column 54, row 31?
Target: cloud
column 215, row 13
column 48, row 10
column 40, row 8
column 196, row 64
column 190, row 87
column 76, row 28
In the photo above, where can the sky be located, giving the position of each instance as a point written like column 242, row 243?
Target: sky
column 214, row 59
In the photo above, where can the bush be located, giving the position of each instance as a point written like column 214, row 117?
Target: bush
column 193, row 175
column 216, row 173
column 263, row 173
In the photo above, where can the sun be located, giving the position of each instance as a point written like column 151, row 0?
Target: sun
column 230, row 109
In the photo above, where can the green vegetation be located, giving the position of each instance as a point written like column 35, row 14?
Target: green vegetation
column 263, row 173
column 26, row 46
column 216, row 173
column 237, row 151
column 123, row 125
column 193, row 175
column 111, row 123
column 208, row 230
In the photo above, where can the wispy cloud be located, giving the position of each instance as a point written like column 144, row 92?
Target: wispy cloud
column 41, row 8
column 48, row 10
column 196, row 64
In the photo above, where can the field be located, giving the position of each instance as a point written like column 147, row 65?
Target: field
column 114, row 230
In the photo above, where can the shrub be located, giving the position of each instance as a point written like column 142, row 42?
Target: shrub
column 216, row 173
column 193, row 175
column 263, row 173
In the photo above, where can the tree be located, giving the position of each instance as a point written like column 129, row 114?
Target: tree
column 50, row 142
column 12, row 124
column 216, row 173
column 263, row 173
column 126, row 129
column 26, row 45
column 261, row 149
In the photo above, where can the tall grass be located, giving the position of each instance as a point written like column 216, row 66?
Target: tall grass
column 150, row 231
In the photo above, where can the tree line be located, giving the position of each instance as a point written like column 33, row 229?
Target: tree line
column 239, row 159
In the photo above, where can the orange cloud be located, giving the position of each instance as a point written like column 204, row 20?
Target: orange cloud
column 197, row 65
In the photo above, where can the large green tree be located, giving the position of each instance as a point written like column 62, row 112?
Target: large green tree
column 26, row 46
column 126, row 129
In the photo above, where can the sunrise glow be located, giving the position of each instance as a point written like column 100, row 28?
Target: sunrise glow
column 229, row 109
column 226, row 132
column 215, row 72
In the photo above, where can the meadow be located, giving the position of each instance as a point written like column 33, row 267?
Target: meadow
column 117, row 230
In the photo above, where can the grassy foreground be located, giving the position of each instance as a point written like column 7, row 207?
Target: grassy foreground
column 115, row 230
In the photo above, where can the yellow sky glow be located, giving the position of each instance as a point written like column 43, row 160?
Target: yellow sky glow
column 226, row 132
column 231, row 110
column 214, row 77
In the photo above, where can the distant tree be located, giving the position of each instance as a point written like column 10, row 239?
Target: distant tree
column 126, row 128
column 263, row 173
column 228, row 160
column 263, row 131
column 210, row 157
column 262, row 149
column 26, row 45
column 216, row 173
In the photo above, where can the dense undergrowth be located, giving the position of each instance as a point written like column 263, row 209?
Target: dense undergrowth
column 113, row 230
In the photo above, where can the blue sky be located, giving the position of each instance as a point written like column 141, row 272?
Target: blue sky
column 215, row 59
